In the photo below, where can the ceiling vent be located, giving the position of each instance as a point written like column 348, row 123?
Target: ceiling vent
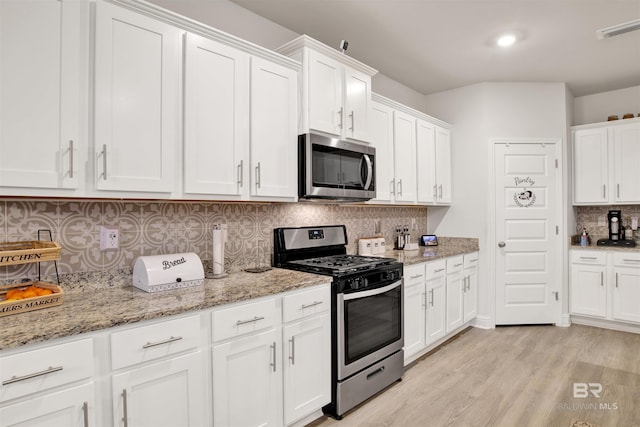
column 616, row 30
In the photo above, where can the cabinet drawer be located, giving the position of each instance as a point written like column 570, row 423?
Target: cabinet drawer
column 627, row 259
column 588, row 257
column 471, row 260
column 414, row 274
column 145, row 343
column 37, row 370
column 306, row 303
column 454, row 264
column 244, row 319
column 436, row 269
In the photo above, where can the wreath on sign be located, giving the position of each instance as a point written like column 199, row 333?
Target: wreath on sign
column 525, row 198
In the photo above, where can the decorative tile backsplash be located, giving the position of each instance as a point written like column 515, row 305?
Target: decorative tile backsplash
column 594, row 218
column 151, row 228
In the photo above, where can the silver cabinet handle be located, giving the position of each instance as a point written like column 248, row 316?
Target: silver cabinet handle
column 240, row 173
column 353, row 121
column 618, row 190
column 258, row 175
column 273, row 353
column 167, row 341
column 49, row 370
column 392, row 186
column 70, row 158
column 604, row 191
column 244, row 322
column 440, row 191
column 617, row 280
column 85, row 414
column 438, row 270
column 601, row 278
column 435, row 191
column 399, row 187
column 501, row 244
column 416, row 276
column 431, row 292
column 292, row 355
column 588, row 257
column 340, row 115
column 457, row 265
column 104, row 161
column 125, row 409
column 631, row 260
column 313, row 304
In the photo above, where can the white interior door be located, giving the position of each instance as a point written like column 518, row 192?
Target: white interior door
column 527, row 258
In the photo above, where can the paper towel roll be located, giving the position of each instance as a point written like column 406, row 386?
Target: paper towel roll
column 219, row 238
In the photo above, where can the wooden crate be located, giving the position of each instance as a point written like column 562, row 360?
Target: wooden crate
column 12, row 253
column 29, row 304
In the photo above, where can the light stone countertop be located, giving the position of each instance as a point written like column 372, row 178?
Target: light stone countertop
column 574, row 244
column 97, row 301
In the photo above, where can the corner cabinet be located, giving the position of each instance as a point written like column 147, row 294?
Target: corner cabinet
column 335, row 90
column 605, row 159
column 42, row 68
column 413, row 153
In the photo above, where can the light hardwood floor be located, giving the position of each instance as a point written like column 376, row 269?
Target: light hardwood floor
column 511, row 377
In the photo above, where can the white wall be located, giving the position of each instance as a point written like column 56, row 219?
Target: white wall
column 596, row 108
column 478, row 113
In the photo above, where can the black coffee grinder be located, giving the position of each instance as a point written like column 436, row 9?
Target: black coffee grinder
column 615, row 225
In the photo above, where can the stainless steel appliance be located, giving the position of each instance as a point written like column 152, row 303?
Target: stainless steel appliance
column 367, row 310
column 332, row 169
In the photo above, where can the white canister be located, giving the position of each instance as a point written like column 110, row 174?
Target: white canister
column 365, row 247
column 381, row 246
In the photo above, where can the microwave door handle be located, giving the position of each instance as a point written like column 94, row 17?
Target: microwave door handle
column 367, row 183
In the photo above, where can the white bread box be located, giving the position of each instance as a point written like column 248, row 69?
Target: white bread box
column 163, row 272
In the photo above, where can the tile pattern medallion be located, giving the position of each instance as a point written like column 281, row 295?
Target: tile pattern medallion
column 151, row 228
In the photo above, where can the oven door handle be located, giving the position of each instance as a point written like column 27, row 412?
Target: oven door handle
column 372, row 292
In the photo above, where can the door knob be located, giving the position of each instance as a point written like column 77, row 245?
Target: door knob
column 501, row 244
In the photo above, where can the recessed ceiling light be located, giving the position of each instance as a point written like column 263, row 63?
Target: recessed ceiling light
column 506, row 40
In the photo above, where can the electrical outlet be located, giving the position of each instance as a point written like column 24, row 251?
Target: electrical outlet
column 109, row 238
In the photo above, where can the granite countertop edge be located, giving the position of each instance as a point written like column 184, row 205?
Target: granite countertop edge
column 97, row 301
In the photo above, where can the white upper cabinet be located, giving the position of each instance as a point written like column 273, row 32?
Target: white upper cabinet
column 404, row 143
column 382, row 139
column 216, row 119
column 138, row 62
column 274, row 155
column 41, row 145
column 605, row 163
column 442, row 165
column 335, row 90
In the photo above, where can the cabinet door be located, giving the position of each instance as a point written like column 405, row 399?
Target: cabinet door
column 247, row 381
column 414, row 319
column 454, row 316
column 357, row 100
column 307, row 367
column 435, row 303
column 588, row 290
column 626, row 294
column 470, row 294
column 325, row 94
column 443, row 164
column 274, row 152
column 626, row 155
column 169, row 393
column 73, row 407
column 216, row 118
column 404, row 140
column 39, row 83
column 382, row 138
column 427, row 166
column 590, row 166
column 138, row 63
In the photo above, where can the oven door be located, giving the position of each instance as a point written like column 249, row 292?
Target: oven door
column 370, row 327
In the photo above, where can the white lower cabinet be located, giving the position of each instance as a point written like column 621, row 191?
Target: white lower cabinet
column 72, row 407
column 439, row 297
column 168, row 393
column 48, row 386
column 605, row 285
column 272, row 359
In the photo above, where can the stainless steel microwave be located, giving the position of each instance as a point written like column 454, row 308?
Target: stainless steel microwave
column 335, row 170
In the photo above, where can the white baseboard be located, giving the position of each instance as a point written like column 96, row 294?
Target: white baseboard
column 565, row 320
column 605, row 324
column 483, row 322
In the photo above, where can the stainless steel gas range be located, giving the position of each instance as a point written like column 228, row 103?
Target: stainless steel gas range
column 367, row 311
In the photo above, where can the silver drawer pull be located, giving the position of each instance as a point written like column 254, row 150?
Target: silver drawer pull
column 438, row 270
column 167, row 341
column 588, row 257
column 15, row 379
column 417, row 276
column 85, row 413
column 457, row 265
column 244, row 322
column 125, row 408
column 631, row 260
column 311, row 305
